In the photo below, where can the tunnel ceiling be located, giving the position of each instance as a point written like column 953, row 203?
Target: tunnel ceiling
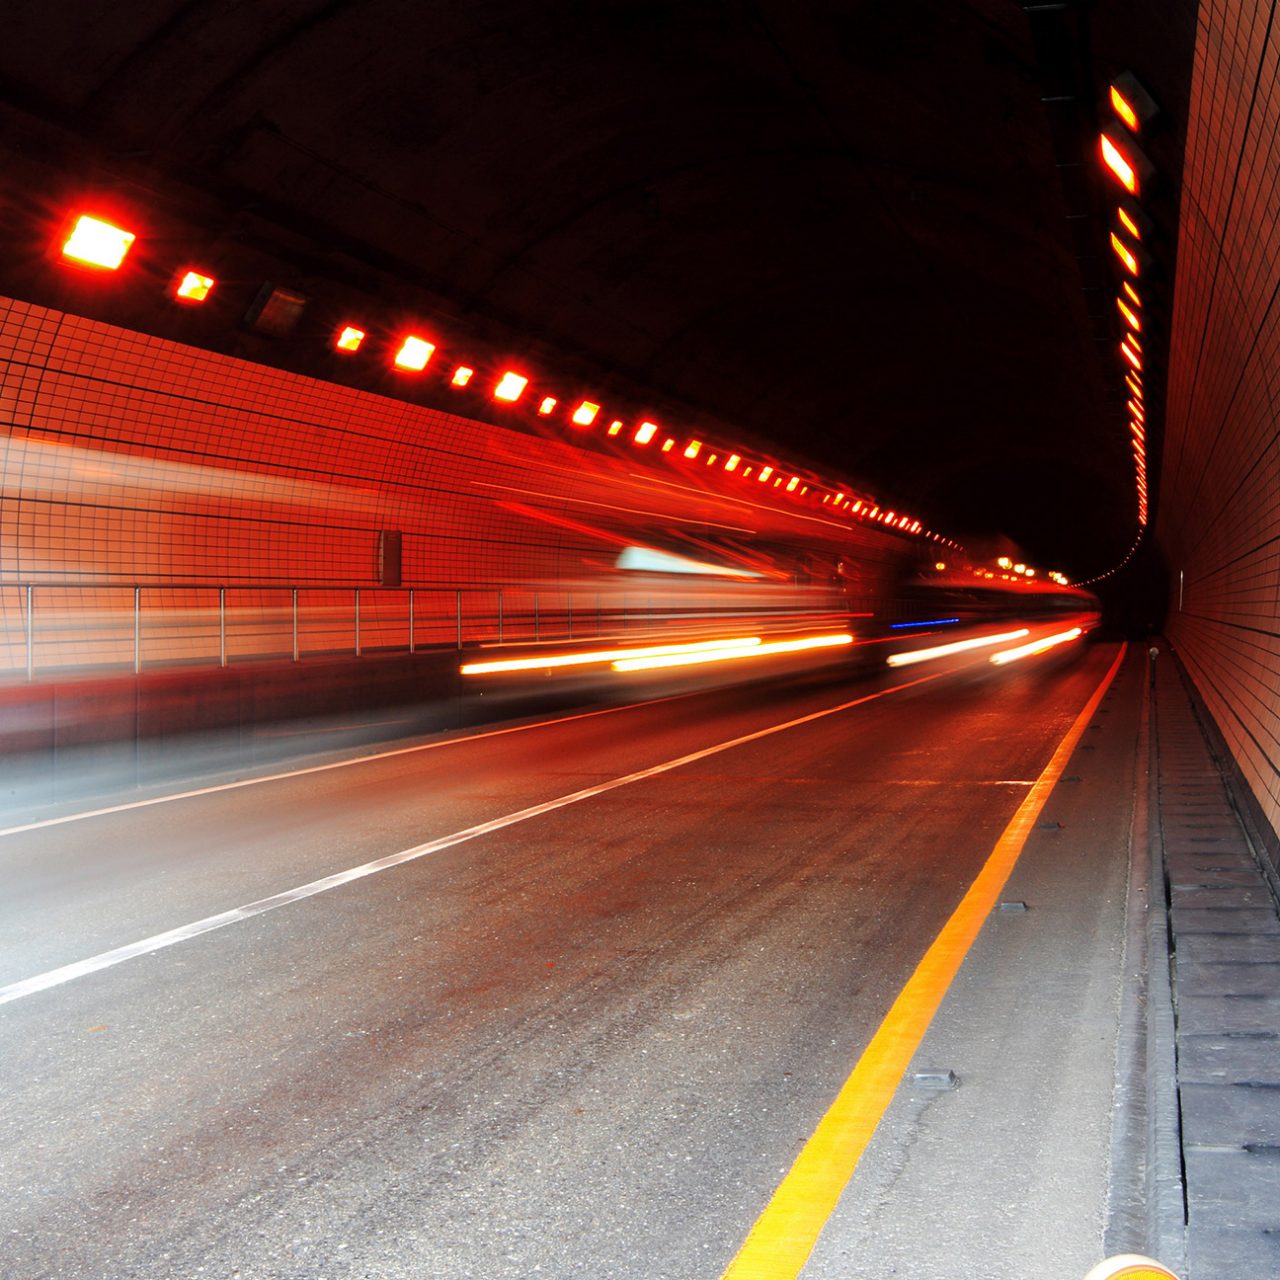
column 842, row 227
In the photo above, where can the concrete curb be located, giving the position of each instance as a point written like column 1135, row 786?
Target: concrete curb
column 1146, row 1199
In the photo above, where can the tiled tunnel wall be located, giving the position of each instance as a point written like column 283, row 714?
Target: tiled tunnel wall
column 1219, row 515
column 134, row 464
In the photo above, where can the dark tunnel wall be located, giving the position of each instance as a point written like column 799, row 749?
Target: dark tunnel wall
column 1219, row 517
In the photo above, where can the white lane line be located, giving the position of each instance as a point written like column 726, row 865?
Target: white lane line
column 129, row 805
column 158, row 942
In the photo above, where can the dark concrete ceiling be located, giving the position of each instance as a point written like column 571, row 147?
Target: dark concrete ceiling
column 842, row 227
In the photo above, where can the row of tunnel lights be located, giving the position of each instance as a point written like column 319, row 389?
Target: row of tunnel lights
column 100, row 244
column 1132, row 108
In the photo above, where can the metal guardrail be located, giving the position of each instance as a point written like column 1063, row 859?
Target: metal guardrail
column 59, row 628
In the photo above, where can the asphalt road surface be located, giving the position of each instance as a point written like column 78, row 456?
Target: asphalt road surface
column 584, row 1019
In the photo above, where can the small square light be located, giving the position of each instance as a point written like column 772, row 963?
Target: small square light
column 732, row 462
column 547, row 406
column 693, row 448
column 461, row 376
column 95, row 243
column 615, row 427
column 585, row 414
column 192, row 287
column 510, row 386
column 349, row 339
column 414, row 354
column 645, row 432
column 668, row 444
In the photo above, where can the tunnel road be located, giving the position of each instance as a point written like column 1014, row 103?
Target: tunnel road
column 562, row 998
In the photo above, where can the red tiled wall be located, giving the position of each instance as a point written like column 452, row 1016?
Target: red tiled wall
column 1219, row 518
column 128, row 460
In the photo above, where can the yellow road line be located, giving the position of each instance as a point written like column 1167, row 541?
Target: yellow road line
column 785, row 1233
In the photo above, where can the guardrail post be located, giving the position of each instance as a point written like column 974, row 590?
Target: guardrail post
column 137, row 630
column 537, row 624
column 31, row 632
column 293, row 601
column 568, row 608
column 499, row 617
column 222, row 626
column 410, row 619
column 458, row 604
column 599, row 620
column 357, row 622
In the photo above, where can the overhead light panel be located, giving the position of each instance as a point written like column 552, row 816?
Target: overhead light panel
column 1127, row 164
column 645, row 432
column 510, row 387
column 349, row 339
column 548, row 404
column 414, row 354
column 192, row 287
column 462, row 375
column 1131, row 102
column 585, row 414
column 1130, row 316
column 94, row 242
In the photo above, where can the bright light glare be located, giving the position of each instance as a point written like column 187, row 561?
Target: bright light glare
column 97, row 244
column 1036, row 646
column 1130, row 315
column 645, row 432
column 546, row 661
column 510, row 387
column 956, row 646
column 349, row 339
column 1119, row 165
column 414, row 354
column 547, row 405
column 585, row 414
column 1120, row 104
column 743, row 651
column 462, row 375
column 193, row 287
column 1123, row 253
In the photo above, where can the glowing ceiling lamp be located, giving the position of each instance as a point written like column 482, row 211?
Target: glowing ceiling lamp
column 731, row 462
column 1125, row 254
column 1134, row 385
column 462, row 375
column 615, row 427
column 693, row 448
column 1136, row 409
column 1130, row 316
column 1131, row 356
column 1127, row 164
column 765, row 473
column 1131, row 102
column 668, row 444
column 192, row 287
column 1131, row 293
column 1129, row 223
column 414, row 354
column 793, row 484
column 645, row 432
column 349, row 339
column 585, row 414
column 94, row 242
column 547, row 405
column 510, row 387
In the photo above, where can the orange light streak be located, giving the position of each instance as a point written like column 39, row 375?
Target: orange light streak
column 1123, row 253
column 1036, row 646
column 1131, row 316
column 1128, row 223
column 1122, row 107
column 555, row 661
column 1131, row 356
column 726, row 655
column 912, row 656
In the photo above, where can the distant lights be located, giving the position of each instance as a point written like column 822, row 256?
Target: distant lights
column 510, row 387
column 585, row 414
column 414, row 354
column 94, row 242
column 192, row 287
column 349, row 339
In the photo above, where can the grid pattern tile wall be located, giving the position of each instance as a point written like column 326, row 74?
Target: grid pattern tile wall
column 225, row 491
column 1219, row 519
